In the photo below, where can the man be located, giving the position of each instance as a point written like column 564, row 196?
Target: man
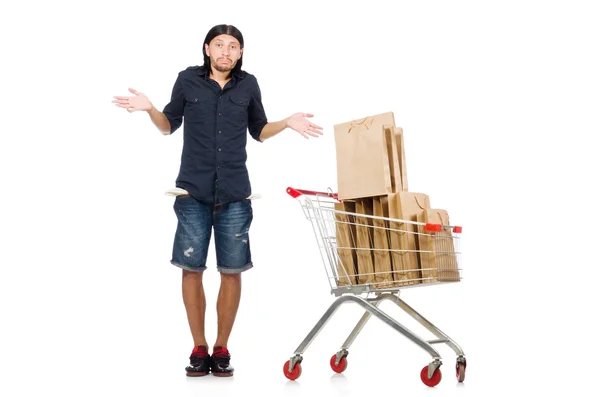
column 218, row 103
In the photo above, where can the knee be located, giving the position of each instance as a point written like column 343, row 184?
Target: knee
column 233, row 278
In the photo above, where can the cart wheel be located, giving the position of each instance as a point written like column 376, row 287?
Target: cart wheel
column 296, row 372
column 435, row 379
column 460, row 371
column 341, row 367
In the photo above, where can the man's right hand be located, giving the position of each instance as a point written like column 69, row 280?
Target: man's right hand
column 133, row 103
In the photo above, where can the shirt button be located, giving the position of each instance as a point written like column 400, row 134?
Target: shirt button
column 219, row 132
column 219, row 149
column 195, row 99
column 219, row 114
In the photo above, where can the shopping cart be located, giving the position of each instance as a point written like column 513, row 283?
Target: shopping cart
column 410, row 253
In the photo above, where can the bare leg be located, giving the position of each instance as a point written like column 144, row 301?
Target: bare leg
column 195, row 305
column 227, row 306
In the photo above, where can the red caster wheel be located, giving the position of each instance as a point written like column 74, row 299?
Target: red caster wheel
column 460, row 371
column 434, row 380
column 296, row 372
column 341, row 367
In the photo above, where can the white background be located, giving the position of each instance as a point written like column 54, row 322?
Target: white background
column 499, row 104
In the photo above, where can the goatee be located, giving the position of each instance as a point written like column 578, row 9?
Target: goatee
column 223, row 69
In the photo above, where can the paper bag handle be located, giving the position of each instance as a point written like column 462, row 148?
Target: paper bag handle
column 357, row 123
column 417, row 201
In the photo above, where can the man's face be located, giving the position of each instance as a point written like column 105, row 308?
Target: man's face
column 224, row 52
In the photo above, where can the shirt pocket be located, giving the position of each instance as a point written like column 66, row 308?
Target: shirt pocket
column 239, row 100
column 238, row 110
column 239, row 103
column 198, row 107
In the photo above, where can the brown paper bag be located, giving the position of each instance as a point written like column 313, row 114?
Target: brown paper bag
column 406, row 206
column 396, row 237
column 361, row 157
column 393, row 158
column 401, row 158
column 381, row 245
column 364, row 243
column 346, row 244
column 443, row 242
column 394, row 139
column 429, row 262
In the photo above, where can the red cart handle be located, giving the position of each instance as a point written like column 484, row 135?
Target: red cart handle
column 295, row 193
column 299, row 192
column 436, row 227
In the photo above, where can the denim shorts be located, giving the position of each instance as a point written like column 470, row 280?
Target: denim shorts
column 196, row 221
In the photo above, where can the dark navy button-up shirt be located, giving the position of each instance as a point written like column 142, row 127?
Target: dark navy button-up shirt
column 215, row 125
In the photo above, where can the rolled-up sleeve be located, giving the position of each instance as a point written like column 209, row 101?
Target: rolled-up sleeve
column 174, row 109
column 257, row 119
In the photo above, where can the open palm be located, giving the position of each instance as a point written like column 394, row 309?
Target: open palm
column 133, row 103
column 299, row 123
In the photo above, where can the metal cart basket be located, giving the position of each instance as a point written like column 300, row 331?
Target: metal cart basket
column 369, row 259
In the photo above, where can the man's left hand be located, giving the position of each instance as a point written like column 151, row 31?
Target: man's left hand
column 299, row 123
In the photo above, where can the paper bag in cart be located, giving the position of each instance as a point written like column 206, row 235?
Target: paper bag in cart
column 381, row 246
column 393, row 159
column 394, row 141
column 438, row 251
column 399, row 134
column 428, row 260
column 403, row 236
column 363, row 167
column 364, row 241
column 346, row 244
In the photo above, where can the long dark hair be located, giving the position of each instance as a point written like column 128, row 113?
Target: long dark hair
column 219, row 30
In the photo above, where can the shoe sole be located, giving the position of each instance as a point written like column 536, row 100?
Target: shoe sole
column 222, row 374
column 196, row 374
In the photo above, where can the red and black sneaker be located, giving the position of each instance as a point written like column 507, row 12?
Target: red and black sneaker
column 220, row 362
column 199, row 362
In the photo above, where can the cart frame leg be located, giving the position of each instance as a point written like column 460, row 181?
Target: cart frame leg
column 372, row 310
column 443, row 338
column 359, row 327
column 343, row 352
column 409, row 310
